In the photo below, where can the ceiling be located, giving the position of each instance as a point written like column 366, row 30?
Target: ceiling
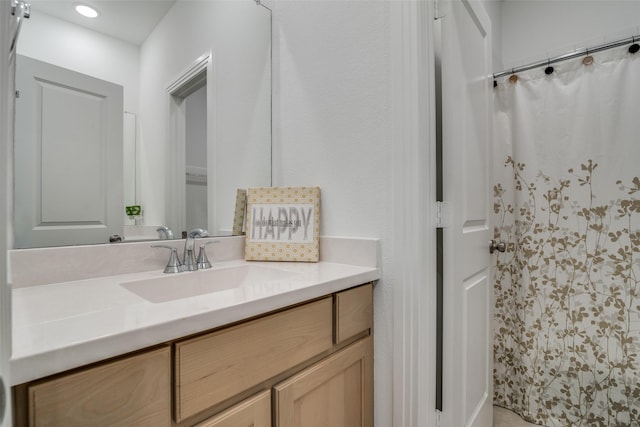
column 129, row 20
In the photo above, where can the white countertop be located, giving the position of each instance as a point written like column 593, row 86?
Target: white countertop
column 66, row 325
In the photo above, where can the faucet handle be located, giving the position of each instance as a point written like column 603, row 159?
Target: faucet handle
column 174, row 265
column 203, row 262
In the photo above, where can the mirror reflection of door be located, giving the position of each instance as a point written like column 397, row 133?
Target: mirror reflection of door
column 196, row 159
column 68, row 156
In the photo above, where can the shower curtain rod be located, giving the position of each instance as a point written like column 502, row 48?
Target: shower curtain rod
column 567, row 56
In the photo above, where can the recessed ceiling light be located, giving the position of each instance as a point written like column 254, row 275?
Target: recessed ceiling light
column 85, row 10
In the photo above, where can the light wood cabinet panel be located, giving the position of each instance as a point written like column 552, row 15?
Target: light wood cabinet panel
column 253, row 412
column 336, row 392
column 135, row 391
column 218, row 366
column 354, row 312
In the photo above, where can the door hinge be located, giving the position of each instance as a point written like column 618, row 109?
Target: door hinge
column 443, row 215
column 438, row 413
column 17, row 94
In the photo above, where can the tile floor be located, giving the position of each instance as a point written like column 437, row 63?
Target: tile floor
column 505, row 418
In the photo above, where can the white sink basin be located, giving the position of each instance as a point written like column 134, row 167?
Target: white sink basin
column 201, row 282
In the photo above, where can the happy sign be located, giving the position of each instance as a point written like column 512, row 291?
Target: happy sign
column 283, row 224
column 279, row 223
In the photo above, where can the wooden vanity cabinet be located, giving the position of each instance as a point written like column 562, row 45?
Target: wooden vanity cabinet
column 304, row 366
column 133, row 391
column 353, row 312
column 336, row 392
column 212, row 368
column 253, row 412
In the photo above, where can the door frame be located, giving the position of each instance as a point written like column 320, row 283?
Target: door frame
column 7, row 91
column 413, row 212
column 200, row 73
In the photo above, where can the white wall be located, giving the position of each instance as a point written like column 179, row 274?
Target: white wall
column 332, row 71
column 494, row 10
column 535, row 30
column 76, row 48
column 236, row 33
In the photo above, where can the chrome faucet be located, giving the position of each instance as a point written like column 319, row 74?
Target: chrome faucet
column 165, row 232
column 188, row 257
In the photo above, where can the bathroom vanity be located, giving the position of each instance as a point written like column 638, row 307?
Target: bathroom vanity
column 272, row 352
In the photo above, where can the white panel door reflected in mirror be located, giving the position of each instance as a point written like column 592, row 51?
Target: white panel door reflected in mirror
column 68, row 156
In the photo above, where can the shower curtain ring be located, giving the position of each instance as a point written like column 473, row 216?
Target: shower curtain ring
column 634, row 48
column 513, row 78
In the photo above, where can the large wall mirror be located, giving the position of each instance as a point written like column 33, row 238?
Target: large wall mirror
column 178, row 93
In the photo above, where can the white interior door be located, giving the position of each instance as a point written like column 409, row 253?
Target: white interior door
column 68, row 157
column 466, row 97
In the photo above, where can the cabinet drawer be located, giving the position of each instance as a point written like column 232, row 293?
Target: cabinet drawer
column 354, row 312
column 132, row 391
column 217, row 366
column 255, row 412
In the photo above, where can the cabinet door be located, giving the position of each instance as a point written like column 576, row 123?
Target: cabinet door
column 354, row 312
column 135, row 391
column 253, row 412
column 220, row 365
column 336, row 392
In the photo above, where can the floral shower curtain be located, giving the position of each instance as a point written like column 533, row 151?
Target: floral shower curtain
column 567, row 203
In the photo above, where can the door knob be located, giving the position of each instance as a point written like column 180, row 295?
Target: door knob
column 500, row 246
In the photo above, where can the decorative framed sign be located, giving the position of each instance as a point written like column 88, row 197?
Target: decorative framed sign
column 283, row 224
column 238, row 217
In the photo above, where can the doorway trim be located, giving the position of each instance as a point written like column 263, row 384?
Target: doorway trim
column 197, row 75
column 7, row 107
column 414, row 197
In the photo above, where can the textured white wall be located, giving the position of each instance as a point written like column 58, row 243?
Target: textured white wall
column 332, row 71
column 534, row 30
column 494, row 10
